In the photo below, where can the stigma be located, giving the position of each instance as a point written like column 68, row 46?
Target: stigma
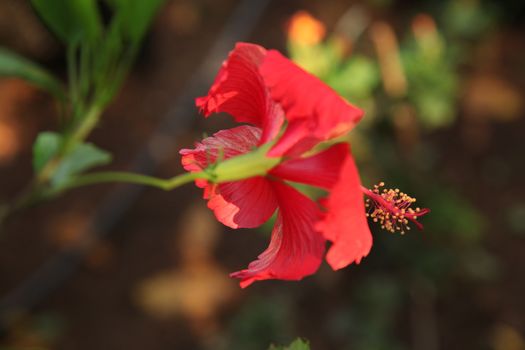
column 392, row 209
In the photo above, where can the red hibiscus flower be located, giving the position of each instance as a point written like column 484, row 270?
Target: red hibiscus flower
column 264, row 89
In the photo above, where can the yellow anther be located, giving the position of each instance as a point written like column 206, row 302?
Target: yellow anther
column 391, row 208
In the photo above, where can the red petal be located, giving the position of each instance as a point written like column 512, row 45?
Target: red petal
column 321, row 170
column 345, row 222
column 240, row 91
column 233, row 202
column 247, row 203
column 314, row 111
column 295, row 249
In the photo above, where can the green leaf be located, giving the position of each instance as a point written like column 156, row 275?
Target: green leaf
column 298, row 344
column 135, row 16
column 71, row 20
column 13, row 65
column 84, row 156
column 45, row 147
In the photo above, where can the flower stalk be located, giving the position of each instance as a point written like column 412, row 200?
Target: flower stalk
column 245, row 166
column 137, row 179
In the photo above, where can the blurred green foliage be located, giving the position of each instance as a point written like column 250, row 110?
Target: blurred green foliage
column 432, row 80
column 83, row 157
column 467, row 20
column 260, row 322
column 298, row 344
column 357, row 77
column 99, row 54
column 71, row 21
column 135, row 16
column 36, row 332
column 13, row 65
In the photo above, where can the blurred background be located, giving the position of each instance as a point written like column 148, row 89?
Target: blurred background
column 109, row 267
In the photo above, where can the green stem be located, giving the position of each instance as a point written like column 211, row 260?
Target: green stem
column 119, row 176
column 84, row 128
column 73, row 76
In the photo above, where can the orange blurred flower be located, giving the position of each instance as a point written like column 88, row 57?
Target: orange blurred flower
column 305, row 29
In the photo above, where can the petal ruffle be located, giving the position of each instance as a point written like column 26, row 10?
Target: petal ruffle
column 233, row 202
column 226, row 143
column 321, row 170
column 296, row 248
column 313, row 110
column 345, row 223
column 239, row 90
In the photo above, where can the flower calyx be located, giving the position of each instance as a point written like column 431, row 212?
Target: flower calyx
column 244, row 166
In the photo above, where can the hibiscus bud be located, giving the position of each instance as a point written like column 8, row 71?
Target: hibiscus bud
column 392, row 208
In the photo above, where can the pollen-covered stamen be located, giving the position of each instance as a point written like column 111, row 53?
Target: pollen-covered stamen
column 392, row 208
